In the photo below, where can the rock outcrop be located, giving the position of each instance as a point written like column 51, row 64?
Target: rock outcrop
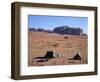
column 68, row 30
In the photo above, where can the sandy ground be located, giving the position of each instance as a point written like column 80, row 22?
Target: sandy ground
column 66, row 45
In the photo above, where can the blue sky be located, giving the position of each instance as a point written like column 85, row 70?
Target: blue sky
column 50, row 22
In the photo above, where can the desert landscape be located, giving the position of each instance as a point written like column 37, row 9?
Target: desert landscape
column 67, row 46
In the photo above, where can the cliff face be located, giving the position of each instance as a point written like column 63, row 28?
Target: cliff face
column 68, row 30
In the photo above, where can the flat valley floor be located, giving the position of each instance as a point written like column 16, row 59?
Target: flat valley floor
column 65, row 45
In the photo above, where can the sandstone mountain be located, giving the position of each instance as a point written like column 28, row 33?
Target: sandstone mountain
column 68, row 30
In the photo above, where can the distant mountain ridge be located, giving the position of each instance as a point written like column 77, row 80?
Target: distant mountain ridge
column 61, row 30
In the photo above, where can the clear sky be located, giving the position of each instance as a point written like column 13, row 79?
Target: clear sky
column 50, row 22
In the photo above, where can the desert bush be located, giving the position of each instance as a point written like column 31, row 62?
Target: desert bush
column 66, row 37
column 55, row 44
column 84, row 34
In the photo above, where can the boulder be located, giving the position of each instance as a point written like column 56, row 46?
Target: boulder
column 51, row 54
column 77, row 57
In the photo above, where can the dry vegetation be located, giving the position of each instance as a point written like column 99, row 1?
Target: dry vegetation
column 66, row 45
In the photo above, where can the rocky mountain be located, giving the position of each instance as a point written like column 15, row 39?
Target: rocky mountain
column 68, row 30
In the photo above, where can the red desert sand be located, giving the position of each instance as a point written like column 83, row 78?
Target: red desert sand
column 67, row 46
